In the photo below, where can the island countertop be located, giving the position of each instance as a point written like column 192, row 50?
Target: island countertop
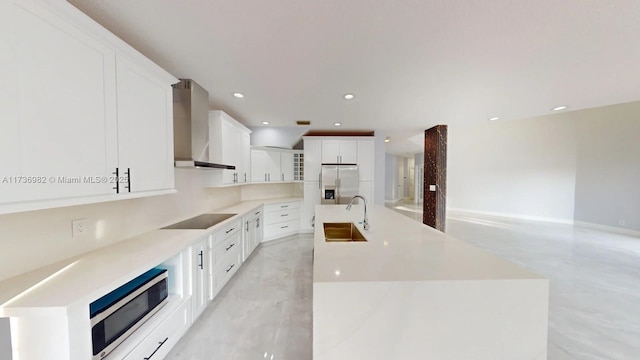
column 400, row 249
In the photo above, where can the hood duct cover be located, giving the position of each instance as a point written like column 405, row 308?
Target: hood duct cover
column 191, row 127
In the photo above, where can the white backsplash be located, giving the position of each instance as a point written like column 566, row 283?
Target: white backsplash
column 33, row 239
column 271, row 191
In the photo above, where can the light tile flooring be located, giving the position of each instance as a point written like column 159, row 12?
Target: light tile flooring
column 264, row 312
column 594, row 297
column 594, row 309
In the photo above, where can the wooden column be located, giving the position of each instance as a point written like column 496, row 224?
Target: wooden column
column 435, row 177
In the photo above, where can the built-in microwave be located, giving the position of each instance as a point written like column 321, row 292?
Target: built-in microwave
column 118, row 314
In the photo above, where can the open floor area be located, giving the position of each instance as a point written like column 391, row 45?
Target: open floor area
column 265, row 311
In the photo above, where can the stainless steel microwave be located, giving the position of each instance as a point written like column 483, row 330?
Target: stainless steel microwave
column 115, row 316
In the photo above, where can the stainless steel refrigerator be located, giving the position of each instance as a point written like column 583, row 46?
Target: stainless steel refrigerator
column 339, row 184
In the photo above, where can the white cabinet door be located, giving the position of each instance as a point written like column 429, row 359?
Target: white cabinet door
column 312, row 159
column 340, row 151
column 330, row 151
column 274, row 172
column 311, row 199
column 348, row 151
column 258, row 165
column 199, row 277
column 145, row 128
column 366, row 156
column 57, row 107
column 229, row 140
column 244, row 157
column 286, row 161
column 259, row 230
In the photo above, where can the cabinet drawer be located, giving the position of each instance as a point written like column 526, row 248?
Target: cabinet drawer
column 224, row 249
column 282, row 206
column 225, row 232
column 224, row 272
column 158, row 343
column 276, row 217
column 281, row 229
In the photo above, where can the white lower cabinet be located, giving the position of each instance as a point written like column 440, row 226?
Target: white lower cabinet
column 311, row 199
column 199, row 279
column 281, row 219
column 226, row 254
column 252, row 234
column 160, row 341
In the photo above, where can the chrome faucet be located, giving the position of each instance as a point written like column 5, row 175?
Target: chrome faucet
column 366, row 221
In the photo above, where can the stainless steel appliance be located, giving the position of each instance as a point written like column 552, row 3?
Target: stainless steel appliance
column 118, row 314
column 339, row 183
column 191, row 126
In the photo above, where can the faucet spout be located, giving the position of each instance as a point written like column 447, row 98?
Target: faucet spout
column 365, row 222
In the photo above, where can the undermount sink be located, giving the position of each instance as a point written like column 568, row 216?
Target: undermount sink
column 203, row 221
column 343, row 232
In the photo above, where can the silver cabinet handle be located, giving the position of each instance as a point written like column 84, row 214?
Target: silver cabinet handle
column 201, row 260
column 230, row 230
column 230, row 246
column 284, row 227
column 284, row 215
column 230, row 267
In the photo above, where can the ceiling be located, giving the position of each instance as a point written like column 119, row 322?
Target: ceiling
column 411, row 64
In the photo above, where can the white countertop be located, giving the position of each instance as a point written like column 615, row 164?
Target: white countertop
column 400, row 249
column 82, row 279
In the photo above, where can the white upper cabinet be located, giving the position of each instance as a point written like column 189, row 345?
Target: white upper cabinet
column 286, row 165
column 312, row 158
column 74, row 111
column 366, row 159
column 57, row 107
column 229, row 145
column 339, row 151
column 145, row 129
column 271, row 165
column 258, row 165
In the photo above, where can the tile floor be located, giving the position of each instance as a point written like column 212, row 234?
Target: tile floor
column 594, row 310
column 264, row 312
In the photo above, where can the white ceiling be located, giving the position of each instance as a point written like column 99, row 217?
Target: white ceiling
column 412, row 64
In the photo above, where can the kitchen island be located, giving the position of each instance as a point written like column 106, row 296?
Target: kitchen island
column 412, row 292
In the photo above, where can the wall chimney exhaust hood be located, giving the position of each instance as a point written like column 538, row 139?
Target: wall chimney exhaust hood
column 191, row 127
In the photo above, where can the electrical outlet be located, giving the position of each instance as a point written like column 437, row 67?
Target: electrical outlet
column 79, row 227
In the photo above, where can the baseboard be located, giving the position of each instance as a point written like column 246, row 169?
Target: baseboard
column 511, row 216
column 607, row 228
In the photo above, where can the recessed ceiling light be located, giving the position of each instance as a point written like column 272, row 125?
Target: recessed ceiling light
column 349, row 96
column 265, row 123
column 238, row 95
column 337, row 124
column 558, row 108
column 494, row 118
column 387, row 139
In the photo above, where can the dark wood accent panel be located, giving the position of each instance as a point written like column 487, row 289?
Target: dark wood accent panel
column 435, row 173
column 339, row 133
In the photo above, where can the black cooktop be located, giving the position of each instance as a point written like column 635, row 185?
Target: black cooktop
column 203, row 221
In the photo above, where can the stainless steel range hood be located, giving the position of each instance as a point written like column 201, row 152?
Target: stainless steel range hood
column 191, row 127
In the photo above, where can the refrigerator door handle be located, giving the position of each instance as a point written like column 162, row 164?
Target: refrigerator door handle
column 337, row 196
column 320, row 181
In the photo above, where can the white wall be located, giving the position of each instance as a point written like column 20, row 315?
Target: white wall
column 37, row 238
column 271, row 191
column 608, row 166
column 391, row 177
column 379, row 169
column 284, row 137
column 521, row 168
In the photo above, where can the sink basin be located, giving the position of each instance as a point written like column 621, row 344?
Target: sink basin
column 203, row 221
column 342, row 232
